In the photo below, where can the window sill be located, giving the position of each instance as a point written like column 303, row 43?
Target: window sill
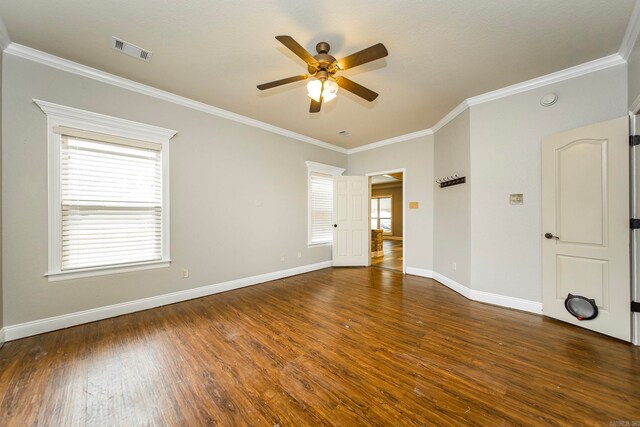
column 100, row 271
column 315, row 245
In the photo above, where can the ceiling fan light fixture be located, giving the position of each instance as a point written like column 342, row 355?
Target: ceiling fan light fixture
column 323, row 86
column 330, row 90
column 314, row 89
column 327, row 89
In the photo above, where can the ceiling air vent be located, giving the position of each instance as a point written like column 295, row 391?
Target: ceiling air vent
column 131, row 49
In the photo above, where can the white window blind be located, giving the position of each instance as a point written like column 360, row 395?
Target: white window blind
column 321, row 208
column 111, row 198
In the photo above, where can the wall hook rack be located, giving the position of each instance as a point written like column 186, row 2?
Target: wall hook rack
column 451, row 180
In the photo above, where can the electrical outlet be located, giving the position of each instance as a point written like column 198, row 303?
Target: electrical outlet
column 185, row 273
column 299, row 254
column 454, row 266
column 283, row 258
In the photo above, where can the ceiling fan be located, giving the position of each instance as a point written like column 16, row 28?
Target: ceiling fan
column 322, row 69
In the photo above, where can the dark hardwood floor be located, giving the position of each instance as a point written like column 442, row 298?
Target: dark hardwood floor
column 360, row 346
column 392, row 256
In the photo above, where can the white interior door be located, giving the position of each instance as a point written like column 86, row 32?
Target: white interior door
column 585, row 218
column 350, row 221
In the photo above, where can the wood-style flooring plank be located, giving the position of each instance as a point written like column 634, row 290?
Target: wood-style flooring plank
column 391, row 257
column 352, row 346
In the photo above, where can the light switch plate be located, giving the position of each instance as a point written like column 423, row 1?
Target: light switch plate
column 413, row 205
column 516, row 199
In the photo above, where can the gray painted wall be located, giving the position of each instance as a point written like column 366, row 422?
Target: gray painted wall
column 452, row 215
column 238, row 196
column 633, row 65
column 417, row 157
column 505, row 158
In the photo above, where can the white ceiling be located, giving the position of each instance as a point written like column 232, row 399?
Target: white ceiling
column 440, row 51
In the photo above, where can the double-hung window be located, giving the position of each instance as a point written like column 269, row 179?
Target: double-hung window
column 108, row 194
column 320, row 188
column 381, row 217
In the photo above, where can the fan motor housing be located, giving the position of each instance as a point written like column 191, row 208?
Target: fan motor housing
column 323, row 47
column 325, row 62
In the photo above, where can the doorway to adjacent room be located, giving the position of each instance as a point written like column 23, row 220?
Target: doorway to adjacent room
column 387, row 225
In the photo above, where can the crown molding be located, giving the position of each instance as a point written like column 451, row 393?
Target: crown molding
column 558, row 76
column 390, row 141
column 104, row 77
column 631, row 33
column 451, row 115
column 5, row 41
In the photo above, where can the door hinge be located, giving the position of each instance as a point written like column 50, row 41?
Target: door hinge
column 635, row 307
column 634, row 140
column 634, row 223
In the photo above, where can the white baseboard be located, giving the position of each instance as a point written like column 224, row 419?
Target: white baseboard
column 452, row 284
column 2, row 336
column 480, row 296
column 49, row 324
column 420, row 272
column 505, row 301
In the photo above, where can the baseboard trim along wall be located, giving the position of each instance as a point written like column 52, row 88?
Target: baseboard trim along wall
column 49, row 324
column 480, row 296
column 2, row 336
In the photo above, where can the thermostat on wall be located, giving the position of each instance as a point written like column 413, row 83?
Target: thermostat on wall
column 516, row 199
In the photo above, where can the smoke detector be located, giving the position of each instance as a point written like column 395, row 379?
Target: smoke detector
column 130, row 49
column 548, row 100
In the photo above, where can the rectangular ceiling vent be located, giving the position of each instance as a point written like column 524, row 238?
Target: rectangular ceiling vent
column 130, row 49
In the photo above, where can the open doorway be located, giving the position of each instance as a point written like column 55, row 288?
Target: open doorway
column 387, row 220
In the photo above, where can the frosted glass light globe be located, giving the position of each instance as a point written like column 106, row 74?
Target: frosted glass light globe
column 314, row 89
column 330, row 90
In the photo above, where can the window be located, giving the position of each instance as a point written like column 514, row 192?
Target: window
column 320, row 187
column 108, row 194
column 381, row 214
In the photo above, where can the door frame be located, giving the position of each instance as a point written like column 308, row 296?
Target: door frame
column 634, row 237
column 405, row 234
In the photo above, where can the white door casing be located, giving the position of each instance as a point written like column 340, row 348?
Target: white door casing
column 585, row 206
column 634, row 164
column 351, row 221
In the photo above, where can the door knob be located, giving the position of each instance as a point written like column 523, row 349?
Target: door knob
column 335, row 225
column 551, row 236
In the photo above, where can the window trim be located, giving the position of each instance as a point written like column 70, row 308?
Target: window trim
column 388, row 196
column 315, row 167
column 63, row 116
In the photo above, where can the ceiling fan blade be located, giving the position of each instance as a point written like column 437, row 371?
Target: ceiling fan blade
column 281, row 82
column 295, row 47
column 357, row 89
column 315, row 106
column 366, row 55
